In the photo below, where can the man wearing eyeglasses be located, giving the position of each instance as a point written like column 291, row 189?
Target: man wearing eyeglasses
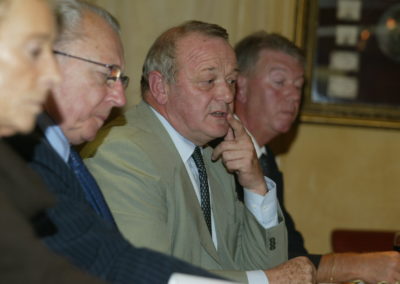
column 90, row 88
column 90, row 56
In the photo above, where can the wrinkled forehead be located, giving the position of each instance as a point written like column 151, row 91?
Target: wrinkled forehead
column 199, row 51
column 276, row 56
column 272, row 59
column 98, row 41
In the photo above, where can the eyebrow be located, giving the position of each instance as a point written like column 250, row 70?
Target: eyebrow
column 212, row 69
column 279, row 68
column 41, row 37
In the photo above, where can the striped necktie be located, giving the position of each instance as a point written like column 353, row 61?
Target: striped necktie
column 89, row 185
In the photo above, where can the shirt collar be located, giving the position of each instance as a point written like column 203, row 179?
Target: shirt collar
column 259, row 150
column 184, row 146
column 54, row 136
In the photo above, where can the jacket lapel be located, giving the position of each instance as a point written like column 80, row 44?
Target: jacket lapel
column 193, row 208
column 182, row 185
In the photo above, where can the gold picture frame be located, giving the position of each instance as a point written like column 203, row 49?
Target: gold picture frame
column 339, row 89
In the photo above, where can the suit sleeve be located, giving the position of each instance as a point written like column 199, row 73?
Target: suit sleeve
column 89, row 242
column 131, row 187
column 295, row 238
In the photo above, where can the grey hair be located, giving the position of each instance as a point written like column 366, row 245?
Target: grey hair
column 248, row 49
column 162, row 54
column 69, row 15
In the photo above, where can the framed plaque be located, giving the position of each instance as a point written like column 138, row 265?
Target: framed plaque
column 353, row 62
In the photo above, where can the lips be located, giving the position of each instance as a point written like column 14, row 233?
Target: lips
column 219, row 114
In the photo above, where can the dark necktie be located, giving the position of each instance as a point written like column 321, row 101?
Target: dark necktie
column 204, row 191
column 271, row 170
column 89, row 185
column 269, row 166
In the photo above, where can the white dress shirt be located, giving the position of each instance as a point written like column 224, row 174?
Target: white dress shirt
column 264, row 208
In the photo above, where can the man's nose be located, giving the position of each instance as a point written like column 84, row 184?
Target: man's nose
column 293, row 92
column 226, row 92
column 117, row 94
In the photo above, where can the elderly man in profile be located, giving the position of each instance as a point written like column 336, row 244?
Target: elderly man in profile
column 90, row 55
column 267, row 102
column 168, row 191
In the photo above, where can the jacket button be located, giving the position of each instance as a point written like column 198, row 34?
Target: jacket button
column 272, row 244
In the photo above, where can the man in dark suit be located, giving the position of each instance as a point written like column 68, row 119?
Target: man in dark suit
column 24, row 258
column 75, row 111
column 267, row 102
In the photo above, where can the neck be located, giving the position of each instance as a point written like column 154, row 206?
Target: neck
column 261, row 135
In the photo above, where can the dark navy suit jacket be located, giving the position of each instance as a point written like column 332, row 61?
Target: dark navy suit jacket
column 83, row 237
column 295, row 239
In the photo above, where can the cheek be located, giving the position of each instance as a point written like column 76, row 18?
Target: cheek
column 187, row 103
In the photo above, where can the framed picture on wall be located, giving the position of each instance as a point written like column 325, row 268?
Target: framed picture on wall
column 353, row 62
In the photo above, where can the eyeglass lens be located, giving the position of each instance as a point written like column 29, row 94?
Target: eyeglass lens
column 116, row 74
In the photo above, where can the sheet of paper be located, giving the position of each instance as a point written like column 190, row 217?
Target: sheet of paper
column 344, row 60
column 342, row 87
column 347, row 35
column 349, row 10
column 179, row 278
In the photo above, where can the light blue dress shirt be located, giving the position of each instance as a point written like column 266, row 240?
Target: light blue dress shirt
column 54, row 136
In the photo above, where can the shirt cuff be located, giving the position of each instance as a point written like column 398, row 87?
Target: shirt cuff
column 264, row 208
column 257, row 277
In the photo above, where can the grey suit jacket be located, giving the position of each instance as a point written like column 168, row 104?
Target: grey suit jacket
column 154, row 204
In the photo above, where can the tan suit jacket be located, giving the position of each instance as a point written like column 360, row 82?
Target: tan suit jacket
column 154, row 204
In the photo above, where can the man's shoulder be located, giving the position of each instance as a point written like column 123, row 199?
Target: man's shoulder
column 30, row 146
column 125, row 130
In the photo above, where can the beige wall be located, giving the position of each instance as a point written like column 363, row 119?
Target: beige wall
column 335, row 176
column 143, row 20
column 342, row 177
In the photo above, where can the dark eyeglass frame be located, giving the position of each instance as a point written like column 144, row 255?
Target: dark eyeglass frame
column 114, row 69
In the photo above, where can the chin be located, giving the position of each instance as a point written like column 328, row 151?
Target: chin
column 26, row 127
column 219, row 133
column 7, row 131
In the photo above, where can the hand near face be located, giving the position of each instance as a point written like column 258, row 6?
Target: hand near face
column 238, row 155
column 296, row 270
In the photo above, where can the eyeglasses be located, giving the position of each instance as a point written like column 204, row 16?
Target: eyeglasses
column 115, row 72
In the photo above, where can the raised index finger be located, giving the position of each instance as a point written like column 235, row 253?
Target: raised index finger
column 236, row 125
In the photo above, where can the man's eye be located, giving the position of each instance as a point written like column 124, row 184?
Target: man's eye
column 35, row 52
column 207, row 83
column 232, row 81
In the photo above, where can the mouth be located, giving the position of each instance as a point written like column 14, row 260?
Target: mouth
column 101, row 119
column 219, row 114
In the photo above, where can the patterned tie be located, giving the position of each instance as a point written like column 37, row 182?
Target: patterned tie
column 204, row 191
column 89, row 185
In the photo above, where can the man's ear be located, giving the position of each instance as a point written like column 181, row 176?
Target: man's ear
column 158, row 88
column 241, row 93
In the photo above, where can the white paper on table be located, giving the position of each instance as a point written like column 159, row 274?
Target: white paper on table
column 179, row 278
